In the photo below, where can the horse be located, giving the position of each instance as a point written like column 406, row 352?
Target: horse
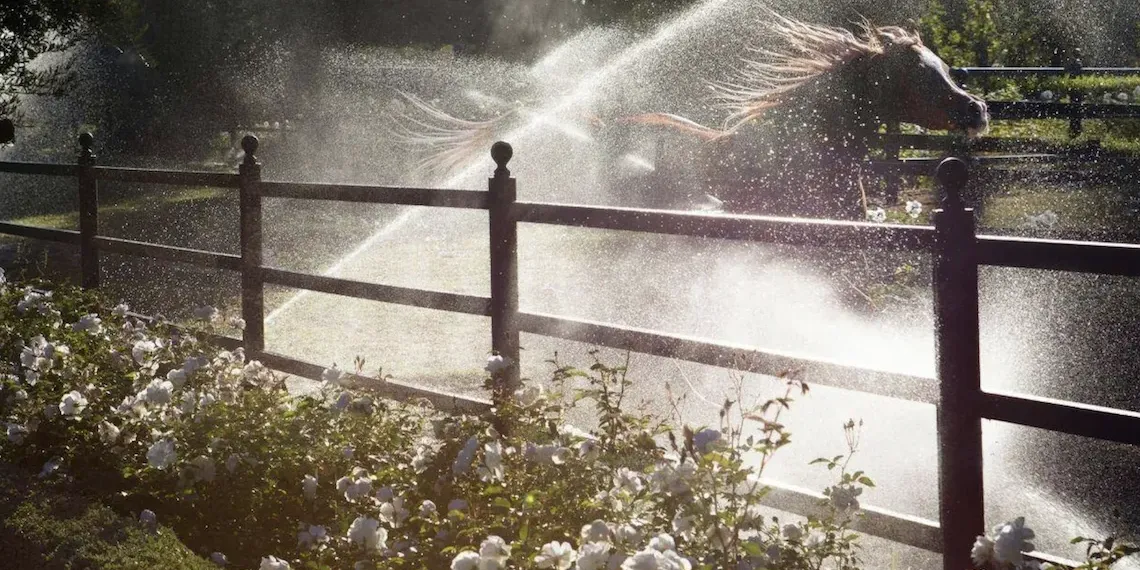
column 799, row 118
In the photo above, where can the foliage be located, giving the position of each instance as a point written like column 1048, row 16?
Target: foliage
column 46, row 526
column 159, row 423
column 998, row 32
column 156, row 419
column 33, row 28
column 970, row 44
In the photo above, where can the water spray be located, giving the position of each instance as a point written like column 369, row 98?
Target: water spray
column 582, row 93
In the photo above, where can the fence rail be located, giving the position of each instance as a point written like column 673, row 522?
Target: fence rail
column 969, row 72
column 377, row 194
column 439, row 300
column 958, row 251
column 1076, row 111
column 172, row 177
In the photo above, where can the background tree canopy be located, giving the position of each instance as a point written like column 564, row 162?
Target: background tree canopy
column 33, row 28
column 209, row 65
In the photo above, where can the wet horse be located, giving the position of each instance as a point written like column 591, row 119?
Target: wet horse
column 798, row 121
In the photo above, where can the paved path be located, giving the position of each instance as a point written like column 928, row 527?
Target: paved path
column 749, row 294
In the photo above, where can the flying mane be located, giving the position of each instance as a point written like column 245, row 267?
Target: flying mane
column 762, row 80
column 450, row 142
column 768, row 78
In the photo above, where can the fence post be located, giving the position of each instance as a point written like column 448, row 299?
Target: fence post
column 891, row 151
column 7, row 131
column 504, row 273
column 252, row 300
column 88, row 213
column 1076, row 96
column 958, row 360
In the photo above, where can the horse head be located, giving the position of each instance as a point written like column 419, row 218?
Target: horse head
column 913, row 85
column 853, row 80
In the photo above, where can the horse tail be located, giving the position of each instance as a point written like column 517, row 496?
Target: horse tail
column 677, row 122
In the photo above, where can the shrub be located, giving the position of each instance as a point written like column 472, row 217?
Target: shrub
column 152, row 419
column 46, row 527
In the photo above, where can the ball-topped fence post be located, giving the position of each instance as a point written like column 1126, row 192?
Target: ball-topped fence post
column 252, row 288
column 7, row 131
column 957, row 349
column 88, row 213
column 504, row 275
column 1074, row 68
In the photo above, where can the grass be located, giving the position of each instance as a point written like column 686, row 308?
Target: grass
column 130, row 205
column 1082, row 208
column 45, row 526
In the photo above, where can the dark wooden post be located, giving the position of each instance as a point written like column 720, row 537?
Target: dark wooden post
column 7, row 131
column 504, row 273
column 1076, row 96
column 252, row 290
column 958, row 354
column 891, row 151
column 983, row 53
column 88, row 213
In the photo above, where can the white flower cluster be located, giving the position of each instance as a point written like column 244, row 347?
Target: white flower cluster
column 38, row 301
column 1046, row 220
column 1120, row 97
column 843, row 497
column 173, row 384
column 601, row 550
column 492, row 555
column 1004, row 547
column 40, row 356
column 913, row 208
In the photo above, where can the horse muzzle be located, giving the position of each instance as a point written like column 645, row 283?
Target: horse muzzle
column 974, row 118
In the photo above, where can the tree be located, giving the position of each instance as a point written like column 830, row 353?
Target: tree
column 30, row 29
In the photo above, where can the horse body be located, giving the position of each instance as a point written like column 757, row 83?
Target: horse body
column 800, row 121
column 804, row 159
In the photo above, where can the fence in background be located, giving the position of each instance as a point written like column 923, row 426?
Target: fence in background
column 892, row 168
column 1076, row 110
column 956, row 249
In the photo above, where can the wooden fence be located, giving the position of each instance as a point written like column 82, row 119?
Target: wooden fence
column 956, row 249
column 1076, row 110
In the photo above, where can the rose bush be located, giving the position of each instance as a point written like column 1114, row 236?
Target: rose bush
column 182, row 434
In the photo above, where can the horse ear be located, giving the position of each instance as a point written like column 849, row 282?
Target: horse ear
column 895, row 35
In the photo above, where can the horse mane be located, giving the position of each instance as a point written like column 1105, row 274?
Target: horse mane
column 812, row 51
column 450, row 141
column 761, row 82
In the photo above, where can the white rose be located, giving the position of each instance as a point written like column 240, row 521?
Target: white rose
column 72, row 404
column 529, row 395
column 273, row 563
column 161, row 454
column 159, row 391
column 557, row 555
column 108, row 433
column 465, row 560
column 368, row 533
column 309, row 487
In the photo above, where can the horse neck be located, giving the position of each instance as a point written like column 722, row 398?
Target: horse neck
column 812, row 147
column 829, row 114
